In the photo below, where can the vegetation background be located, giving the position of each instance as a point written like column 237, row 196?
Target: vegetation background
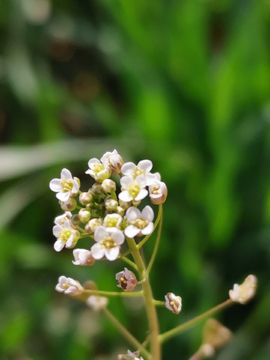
column 184, row 83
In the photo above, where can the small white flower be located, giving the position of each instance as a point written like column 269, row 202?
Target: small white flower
column 83, row 257
column 141, row 223
column 130, row 356
column 97, row 302
column 113, row 220
column 66, row 236
column 60, row 220
column 108, row 243
column 113, row 161
column 173, row 303
column 144, row 168
column 126, row 280
column 65, row 186
column 97, row 170
column 244, row 292
column 69, row 286
column 158, row 191
column 133, row 189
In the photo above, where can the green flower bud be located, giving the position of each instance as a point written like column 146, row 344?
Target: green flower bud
column 84, row 215
column 85, row 198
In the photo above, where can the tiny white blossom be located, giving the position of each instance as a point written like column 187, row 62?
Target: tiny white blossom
column 108, row 243
column 97, row 170
column 66, row 235
column 97, row 302
column 144, row 168
column 141, row 222
column 113, row 220
column 65, row 186
column 126, row 280
column 133, row 189
column 113, row 161
column 69, row 286
column 83, row 257
column 244, row 292
column 60, row 220
column 158, row 191
column 130, row 356
column 173, row 303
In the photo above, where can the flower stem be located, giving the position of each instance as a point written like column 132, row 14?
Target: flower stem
column 126, row 333
column 167, row 335
column 156, row 224
column 131, row 263
column 158, row 303
column 150, row 307
column 113, row 293
column 157, row 241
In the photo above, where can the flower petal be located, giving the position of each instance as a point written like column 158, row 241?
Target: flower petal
column 75, row 188
column 58, row 245
column 145, row 165
column 125, row 196
column 92, row 162
column 63, row 196
column 118, row 236
column 142, row 194
column 148, row 229
column 131, row 231
column 126, row 180
column 112, row 254
column 141, row 180
column 97, row 251
column 128, row 168
column 100, row 233
column 55, row 185
column 69, row 242
column 148, row 213
column 56, row 230
column 66, row 174
column 133, row 213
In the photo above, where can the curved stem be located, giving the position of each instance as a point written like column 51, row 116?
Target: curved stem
column 157, row 242
column 113, row 293
column 158, row 303
column 156, row 224
column 131, row 263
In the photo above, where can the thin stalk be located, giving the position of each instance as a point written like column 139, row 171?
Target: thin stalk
column 156, row 224
column 158, row 303
column 131, row 263
column 167, row 335
column 126, row 334
column 157, row 242
column 113, row 293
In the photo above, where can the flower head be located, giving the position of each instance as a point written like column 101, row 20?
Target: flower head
column 245, row 292
column 133, row 189
column 113, row 161
column 173, row 303
column 143, row 168
column 97, row 302
column 83, row 257
column 65, row 186
column 98, row 170
column 66, row 235
column 141, row 222
column 158, row 191
column 113, row 220
column 69, row 286
column 126, row 280
column 108, row 243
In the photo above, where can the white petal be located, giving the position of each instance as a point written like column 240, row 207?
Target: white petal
column 69, row 242
column 58, row 245
column 131, row 231
column 56, row 230
column 118, row 236
column 128, row 168
column 148, row 213
column 145, row 165
column 141, row 180
column 62, row 279
column 125, row 196
column 92, row 162
column 55, row 185
column 150, row 179
column 66, row 174
column 112, row 254
column 125, row 181
column 75, row 188
column 59, row 288
column 142, row 194
column 71, row 290
column 63, row 196
column 133, row 213
column 97, row 251
column 148, row 229
column 100, row 233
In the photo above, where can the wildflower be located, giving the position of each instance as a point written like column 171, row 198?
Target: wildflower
column 140, row 222
column 113, row 161
column 108, row 243
column 97, row 170
column 69, row 286
column 173, row 303
column 143, row 168
column 97, row 302
column 244, row 292
column 66, row 236
column 130, row 356
column 133, row 189
column 60, row 220
column 83, row 257
column 113, row 220
column 92, row 225
column 66, row 186
column 158, row 191
column 126, row 280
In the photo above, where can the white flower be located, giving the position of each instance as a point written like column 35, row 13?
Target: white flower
column 83, row 257
column 60, row 220
column 108, row 243
column 158, row 191
column 66, row 235
column 113, row 220
column 130, row 356
column 173, row 303
column 133, row 189
column 97, row 170
column 113, row 161
column 97, row 302
column 141, row 223
column 143, row 168
column 66, row 186
column 69, row 286
column 126, row 280
column 244, row 292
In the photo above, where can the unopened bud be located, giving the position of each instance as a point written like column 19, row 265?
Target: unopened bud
column 95, row 189
column 75, row 221
column 120, row 211
column 111, row 204
column 124, row 205
column 84, row 215
column 245, row 292
column 83, row 257
column 85, row 198
column 68, row 205
column 136, row 203
column 126, row 280
column 108, row 186
column 91, row 226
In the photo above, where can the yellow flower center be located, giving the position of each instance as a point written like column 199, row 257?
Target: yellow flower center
column 134, row 190
column 140, row 223
column 137, row 172
column 155, row 190
column 97, row 168
column 65, row 235
column 108, row 243
column 67, row 185
column 112, row 222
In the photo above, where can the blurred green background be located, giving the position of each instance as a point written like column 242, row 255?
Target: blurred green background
column 184, row 83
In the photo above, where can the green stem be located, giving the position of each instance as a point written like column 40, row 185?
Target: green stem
column 157, row 241
column 126, row 333
column 113, row 293
column 150, row 307
column 156, row 224
column 158, row 303
column 131, row 263
column 167, row 335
